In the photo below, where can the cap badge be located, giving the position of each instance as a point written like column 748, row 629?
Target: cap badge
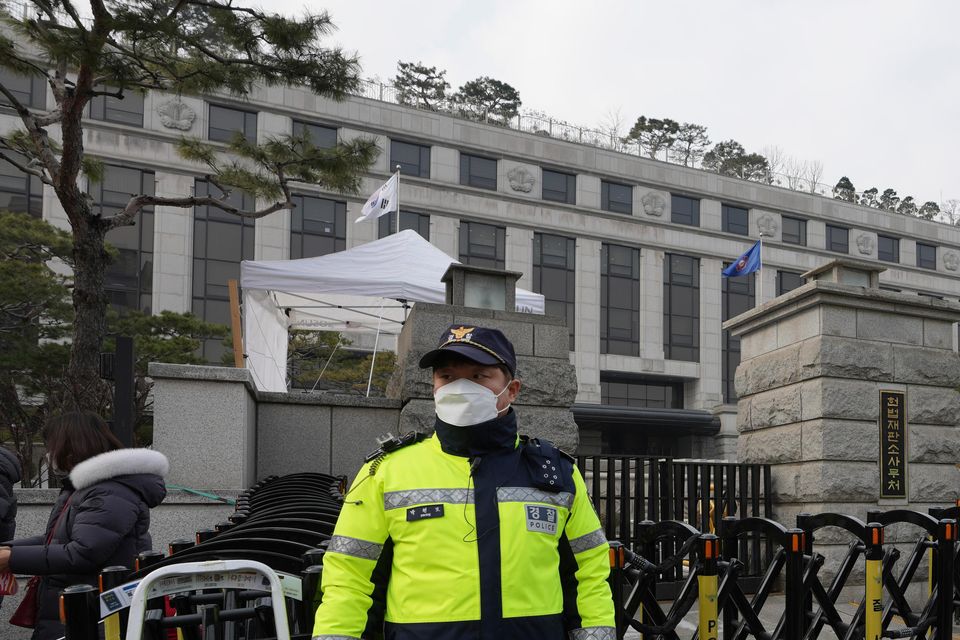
column 463, row 333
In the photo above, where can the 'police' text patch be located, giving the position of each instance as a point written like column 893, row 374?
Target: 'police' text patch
column 541, row 519
column 425, row 512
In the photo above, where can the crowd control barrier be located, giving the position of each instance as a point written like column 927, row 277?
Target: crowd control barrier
column 256, row 575
column 729, row 608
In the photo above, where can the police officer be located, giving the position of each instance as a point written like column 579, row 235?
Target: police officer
column 475, row 532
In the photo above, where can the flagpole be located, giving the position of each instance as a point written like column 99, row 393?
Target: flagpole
column 398, row 198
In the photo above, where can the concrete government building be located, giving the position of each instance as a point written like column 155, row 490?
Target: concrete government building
column 628, row 249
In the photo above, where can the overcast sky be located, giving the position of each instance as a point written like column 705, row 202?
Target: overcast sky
column 869, row 88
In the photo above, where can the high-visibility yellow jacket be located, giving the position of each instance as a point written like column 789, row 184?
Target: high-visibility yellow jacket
column 496, row 546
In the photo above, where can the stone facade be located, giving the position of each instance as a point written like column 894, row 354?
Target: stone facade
column 518, row 206
column 813, row 364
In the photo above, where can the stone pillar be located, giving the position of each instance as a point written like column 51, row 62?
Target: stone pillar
column 651, row 304
column 813, row 364
column 173, row 246
column 587, row 314
column 707, row 388
column 520, row 255
column 205, row 422
column 543, row 366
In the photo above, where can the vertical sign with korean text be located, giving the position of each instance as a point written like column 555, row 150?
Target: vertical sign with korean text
column 893, row 444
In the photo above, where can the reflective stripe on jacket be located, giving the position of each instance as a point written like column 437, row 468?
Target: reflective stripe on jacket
column 472, row 548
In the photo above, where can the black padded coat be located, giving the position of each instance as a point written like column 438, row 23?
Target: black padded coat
column 9, row 476
column 106, row 504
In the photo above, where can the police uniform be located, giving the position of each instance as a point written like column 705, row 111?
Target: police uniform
column 471, row 533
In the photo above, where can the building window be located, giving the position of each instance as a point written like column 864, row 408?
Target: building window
column 320, row 136
column 615, row 197
column 735, row 219
column 737, row 296
column 478, row 172
column 619, row 300
column 414, row 159
column 926, row 256
column 419, row 222
column 19, row 192
column 128, row 280
column 794, row 231
column 788, row 281
column 888, row 249
column 838, row 239
column 128, row 111
column 684, row 210
column 29, row 90
column 624, row 390
column 226, row 122
column 559, row 187
column 318, row 226
column 681, row 308
column 554, row 276
column 220, row 241
column 483, row 245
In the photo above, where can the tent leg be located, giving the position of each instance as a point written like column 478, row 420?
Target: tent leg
column 235, row 327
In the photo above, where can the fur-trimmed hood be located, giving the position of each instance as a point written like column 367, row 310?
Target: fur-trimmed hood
column 121, row 462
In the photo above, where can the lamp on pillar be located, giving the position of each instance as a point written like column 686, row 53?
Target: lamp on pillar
column 480, row 287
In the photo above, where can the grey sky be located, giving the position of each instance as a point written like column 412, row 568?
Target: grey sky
column 871, row 89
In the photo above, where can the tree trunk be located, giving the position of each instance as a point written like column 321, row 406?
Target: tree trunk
column 89, row 324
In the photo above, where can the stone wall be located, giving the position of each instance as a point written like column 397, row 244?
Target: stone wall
column 813, row 364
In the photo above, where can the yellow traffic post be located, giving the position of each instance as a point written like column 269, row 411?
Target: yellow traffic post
column 707, row 582
column 873, row 579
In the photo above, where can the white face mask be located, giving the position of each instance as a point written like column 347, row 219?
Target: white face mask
column 464, row 402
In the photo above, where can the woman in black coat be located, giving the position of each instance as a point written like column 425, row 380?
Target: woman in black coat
column 101, row 517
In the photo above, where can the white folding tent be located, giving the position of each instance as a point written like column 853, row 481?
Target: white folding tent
column 366, row 288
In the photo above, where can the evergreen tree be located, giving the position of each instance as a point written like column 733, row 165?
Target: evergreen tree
column 179, row 46
column 889, row 200
column 730, row 159
column 487, row 100
column 420, row 86
column 653, row 135
column 869, row 198
column 844, row 190
column 690, row 144
column 929, row 210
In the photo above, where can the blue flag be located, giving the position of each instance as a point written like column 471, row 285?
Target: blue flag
column 745, row 264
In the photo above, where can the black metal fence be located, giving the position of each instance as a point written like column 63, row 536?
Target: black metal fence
column 629, row 490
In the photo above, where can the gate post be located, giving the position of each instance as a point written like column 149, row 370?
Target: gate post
column 873, row 583
column 79, row 611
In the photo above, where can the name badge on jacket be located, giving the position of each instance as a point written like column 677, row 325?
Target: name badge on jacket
column 425, row 512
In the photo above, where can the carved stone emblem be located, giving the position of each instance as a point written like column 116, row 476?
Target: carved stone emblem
column 865, row 244
column 176, row 115
column 521, row 179
column 767, row 225
column 951, row 261
column 653, row 204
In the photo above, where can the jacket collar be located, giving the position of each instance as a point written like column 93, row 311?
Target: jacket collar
column 120, row 462
column 478, row 439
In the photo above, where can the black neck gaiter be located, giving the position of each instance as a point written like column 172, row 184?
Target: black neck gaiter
column 478, row 439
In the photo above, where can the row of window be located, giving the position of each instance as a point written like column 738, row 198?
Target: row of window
column 18, row 193
column 221, row 241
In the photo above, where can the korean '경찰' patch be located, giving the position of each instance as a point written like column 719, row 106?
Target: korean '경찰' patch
column 541, row 519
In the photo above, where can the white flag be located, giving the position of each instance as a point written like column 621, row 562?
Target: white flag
column 383, row 200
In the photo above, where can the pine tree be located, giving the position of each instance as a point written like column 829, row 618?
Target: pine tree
column 178, row 46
